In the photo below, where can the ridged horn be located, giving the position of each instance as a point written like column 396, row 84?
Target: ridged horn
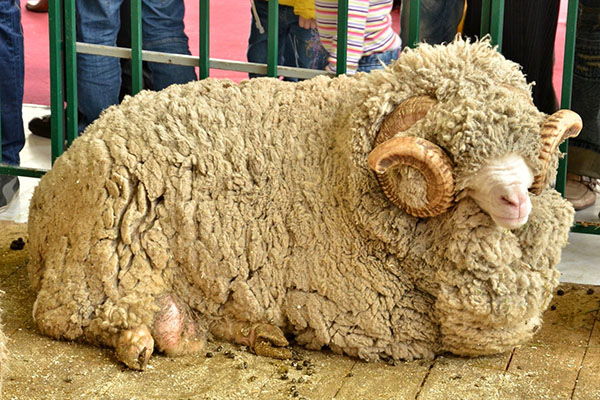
column 426, row 157
column 404, row 116
column 558, row 127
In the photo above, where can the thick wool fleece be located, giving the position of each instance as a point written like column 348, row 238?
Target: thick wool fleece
column 255, row 202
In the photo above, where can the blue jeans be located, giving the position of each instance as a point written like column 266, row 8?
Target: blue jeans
column 99, row 77
column 584, row 150
column 377, row 60
column 438, row 23
column 297, row 47
column 12, row 73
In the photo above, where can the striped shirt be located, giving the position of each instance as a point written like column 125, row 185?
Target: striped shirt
column 369, row 30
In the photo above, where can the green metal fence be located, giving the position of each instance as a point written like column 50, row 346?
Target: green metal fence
column 63, row 46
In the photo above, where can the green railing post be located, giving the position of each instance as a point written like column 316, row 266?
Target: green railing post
column 71, row 72
column 497, row 23
column 567, row 81
column 137, row 80
column 272, row 42
column 486, row 8
column 342, row 37
column 492, row 21
column 55, row 16
column 414, row 23
column 203, row 70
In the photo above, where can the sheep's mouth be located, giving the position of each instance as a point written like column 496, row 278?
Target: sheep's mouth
column 510, row 223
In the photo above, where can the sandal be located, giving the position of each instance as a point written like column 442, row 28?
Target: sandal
column 581, row 191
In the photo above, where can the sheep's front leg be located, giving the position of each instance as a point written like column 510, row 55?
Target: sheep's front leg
column 265, row 339
column 134, row 347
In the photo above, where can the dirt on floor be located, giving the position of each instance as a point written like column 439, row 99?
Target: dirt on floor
column 562, row 362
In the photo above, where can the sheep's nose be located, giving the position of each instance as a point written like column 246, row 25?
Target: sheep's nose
column 518, row 203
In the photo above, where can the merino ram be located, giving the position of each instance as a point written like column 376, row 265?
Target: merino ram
column 385, row 215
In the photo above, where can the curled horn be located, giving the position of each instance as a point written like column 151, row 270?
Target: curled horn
column 404, row 116
column 558, row 127
column 416, row 152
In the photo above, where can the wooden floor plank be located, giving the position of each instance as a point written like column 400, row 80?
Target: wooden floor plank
column 245, row 376
column 570, row 317
column 483, row 378
column 11, row 259
column 311, row 375
column 42, row 368
column 383, row 381
column 566, row 349
column 555, row 354
column 554, row 366
column 588, row 384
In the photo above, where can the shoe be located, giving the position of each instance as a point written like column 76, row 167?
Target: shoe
column 580, row 191
column 40, row 126
column 37, row 5
column 9, row 190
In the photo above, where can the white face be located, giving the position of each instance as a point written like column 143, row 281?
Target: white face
column 500, row 188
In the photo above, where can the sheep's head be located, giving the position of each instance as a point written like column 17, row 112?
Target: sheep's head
column 501, row 187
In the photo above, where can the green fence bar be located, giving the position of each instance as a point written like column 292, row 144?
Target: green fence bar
column 137, row 80
column 71, row 73
column 57, row 126
column 6, row 169
column 414, row 22
column 586, row 227
column 342, row 37
column 497, row 23
column 567, row 81
column 486, row 13
column 272, row 42
column 204, row 59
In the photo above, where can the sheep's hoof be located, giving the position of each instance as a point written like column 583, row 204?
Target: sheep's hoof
column 134, row 347
column 270, row 342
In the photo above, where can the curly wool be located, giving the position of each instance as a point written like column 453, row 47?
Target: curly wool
column 255, row 201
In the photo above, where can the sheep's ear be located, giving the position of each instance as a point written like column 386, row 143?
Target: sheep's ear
column 558, row 127
column 429, row 159
column 405, row 115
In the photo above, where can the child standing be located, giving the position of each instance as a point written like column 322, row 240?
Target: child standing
column 371, row 39
column 298, row 40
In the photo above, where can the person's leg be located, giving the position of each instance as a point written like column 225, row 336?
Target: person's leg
column 306, row 48
column 98, row 77
column 528, row 39
column 124, row 40
column 438, row 20
column 11, row 83
column 288, row 54
column 377, row 60
column 163, row 30
column 584, row 150
column 257, row 42
column 11, row 95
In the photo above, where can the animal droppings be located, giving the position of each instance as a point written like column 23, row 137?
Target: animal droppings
column 17, row 244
